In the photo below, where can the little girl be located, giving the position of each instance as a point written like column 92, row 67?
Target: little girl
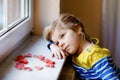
column 68, row 37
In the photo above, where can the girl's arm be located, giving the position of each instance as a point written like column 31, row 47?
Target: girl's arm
column 57, row 51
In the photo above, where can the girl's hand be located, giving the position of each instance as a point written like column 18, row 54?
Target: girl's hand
column 58, row 52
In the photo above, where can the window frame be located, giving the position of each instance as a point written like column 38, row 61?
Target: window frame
column 14, row 24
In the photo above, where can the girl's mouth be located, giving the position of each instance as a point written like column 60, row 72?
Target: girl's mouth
column 67, row 48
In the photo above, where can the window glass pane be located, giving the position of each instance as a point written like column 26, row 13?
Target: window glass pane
column 17, row 10
column 12, row 12
column 1, row 15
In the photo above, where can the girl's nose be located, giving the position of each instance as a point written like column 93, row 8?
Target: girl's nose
column 61, row 44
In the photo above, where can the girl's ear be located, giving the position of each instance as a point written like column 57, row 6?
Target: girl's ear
column 78, row 29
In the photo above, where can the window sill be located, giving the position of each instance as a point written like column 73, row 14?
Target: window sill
column 35, row 45
column 10, row 40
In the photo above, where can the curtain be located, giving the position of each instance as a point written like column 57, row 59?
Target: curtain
column 111, row 28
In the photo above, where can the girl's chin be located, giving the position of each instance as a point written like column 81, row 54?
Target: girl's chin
column 71, row 53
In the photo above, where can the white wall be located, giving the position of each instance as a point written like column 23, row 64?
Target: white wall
column 45, row 11
column 11, row 39
column 88, row 11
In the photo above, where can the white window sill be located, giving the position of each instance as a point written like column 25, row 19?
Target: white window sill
column 35, row 45
column 10, row 40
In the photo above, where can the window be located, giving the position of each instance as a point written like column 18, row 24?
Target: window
column 12, row 12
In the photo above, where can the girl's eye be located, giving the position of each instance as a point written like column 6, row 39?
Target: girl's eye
column 62, row 35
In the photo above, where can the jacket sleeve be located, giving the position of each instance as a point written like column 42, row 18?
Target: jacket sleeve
column 49, row 44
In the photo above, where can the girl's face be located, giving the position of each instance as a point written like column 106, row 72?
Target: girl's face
column 66, row 39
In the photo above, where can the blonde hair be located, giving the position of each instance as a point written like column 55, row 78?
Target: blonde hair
column 67, row 21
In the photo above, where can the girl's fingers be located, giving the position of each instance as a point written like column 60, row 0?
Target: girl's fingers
column 58, row 55
column 66, row 54
column 53, row 55
column 63, row 54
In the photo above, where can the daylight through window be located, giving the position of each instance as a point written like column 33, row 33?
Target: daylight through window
column 12, row 12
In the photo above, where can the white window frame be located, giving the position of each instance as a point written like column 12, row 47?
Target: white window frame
column 15, row 23
column 12, row 39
